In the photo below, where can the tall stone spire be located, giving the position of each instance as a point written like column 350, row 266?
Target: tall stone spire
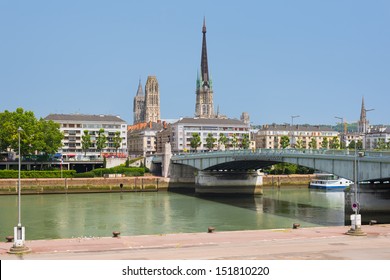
column 140, row 91
column 204, row 63
column 139, row 106
column 204, row 107
column 363, row 123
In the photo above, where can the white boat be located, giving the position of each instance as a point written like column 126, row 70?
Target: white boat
column 329, row 182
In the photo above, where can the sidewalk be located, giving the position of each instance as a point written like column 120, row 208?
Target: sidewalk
column 328, row 243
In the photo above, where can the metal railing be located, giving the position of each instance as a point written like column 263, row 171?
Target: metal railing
column 286, row 152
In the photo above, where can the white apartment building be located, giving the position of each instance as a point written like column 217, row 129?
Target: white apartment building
column 269, row 136
column 183, row 129
column 377, row 137
column 73, row 127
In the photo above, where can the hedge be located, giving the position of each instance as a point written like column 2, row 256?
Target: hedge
column 128, row 171
column 100, row 172
column 13, row 174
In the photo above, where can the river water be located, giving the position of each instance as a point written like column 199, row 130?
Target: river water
column 98, row 215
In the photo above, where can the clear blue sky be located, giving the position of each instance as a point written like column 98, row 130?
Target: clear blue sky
column 272, row 59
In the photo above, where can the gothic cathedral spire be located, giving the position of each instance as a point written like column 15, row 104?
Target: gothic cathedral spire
column 139, row 106
column 363, row 123
column 204, row 91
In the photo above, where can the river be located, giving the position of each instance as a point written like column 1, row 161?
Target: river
column 98, row 215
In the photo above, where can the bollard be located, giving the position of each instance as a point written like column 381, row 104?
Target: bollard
column 115, row 234
column 9, row 238
column 210, row 229
column 295, row 226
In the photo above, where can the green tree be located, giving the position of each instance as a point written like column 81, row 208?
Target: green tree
column 223, row 140
column 299, row 144
column 210, row 140
column 380, row 144
column 234, row 141
column 101, row 141
column 86, row 142
column 245, row 141
column 334, row 143
column 325, row 143
column 27, row 121
column 117, row 141
column 49, row 136
column 284, row 141
column 195, row 141
column 313, row 143
column 36, row 136
column 7, row 130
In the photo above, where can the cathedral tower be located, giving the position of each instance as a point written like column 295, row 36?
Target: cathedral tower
column 152, row 100
column 204, row 88
column 363, row 122
column 139, row 106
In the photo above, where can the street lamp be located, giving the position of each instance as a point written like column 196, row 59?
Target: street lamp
column 292, row 129
column 19, row 231
column 356, row 229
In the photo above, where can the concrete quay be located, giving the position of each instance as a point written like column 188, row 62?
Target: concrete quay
column 318, row 243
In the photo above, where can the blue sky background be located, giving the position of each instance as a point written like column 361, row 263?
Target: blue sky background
column 272, row 59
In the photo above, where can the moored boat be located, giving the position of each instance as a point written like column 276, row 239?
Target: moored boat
column 329, row 182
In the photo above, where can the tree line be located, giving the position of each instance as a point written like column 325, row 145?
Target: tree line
column 37, row 136
column 222, row 141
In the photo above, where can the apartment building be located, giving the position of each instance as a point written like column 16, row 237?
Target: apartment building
column 269, row 136
column 73, row 127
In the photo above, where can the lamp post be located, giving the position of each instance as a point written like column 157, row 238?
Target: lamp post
column 19, row 231
column 292, row 129
column 356, row 229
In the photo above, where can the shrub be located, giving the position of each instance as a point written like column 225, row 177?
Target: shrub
column 13, row 174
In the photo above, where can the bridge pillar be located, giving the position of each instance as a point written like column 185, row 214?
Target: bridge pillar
column 229, row 182
column 166, row 160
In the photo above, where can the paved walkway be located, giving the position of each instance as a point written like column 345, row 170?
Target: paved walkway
column 321, row 243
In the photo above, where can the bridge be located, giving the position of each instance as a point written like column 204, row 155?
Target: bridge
column 369, row 165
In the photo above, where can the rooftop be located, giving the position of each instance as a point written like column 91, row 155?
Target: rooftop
column 84, row 118
column 211, row 121
column 298, row 127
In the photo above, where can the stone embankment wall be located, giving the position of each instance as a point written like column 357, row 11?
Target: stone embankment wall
column 287, row 180
column 79, row 185
column 125, row 184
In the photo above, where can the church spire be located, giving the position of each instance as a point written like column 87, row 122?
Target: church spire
column 363, row 123
column 204, row 63
column 139, row 91
column 363, row 111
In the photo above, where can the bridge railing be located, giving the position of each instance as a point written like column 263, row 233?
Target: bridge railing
column 279, row 152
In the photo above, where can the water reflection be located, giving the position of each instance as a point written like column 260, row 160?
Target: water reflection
column 312, row 207
column 79, row 215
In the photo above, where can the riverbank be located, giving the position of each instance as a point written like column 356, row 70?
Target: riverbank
column 319, row 243
column 124, row 184
column 84, row 185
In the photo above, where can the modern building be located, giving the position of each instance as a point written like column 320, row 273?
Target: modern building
column 182, row 132
column 204, row 107
column 73, row 127
column 146, row 108
column 269, row 136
